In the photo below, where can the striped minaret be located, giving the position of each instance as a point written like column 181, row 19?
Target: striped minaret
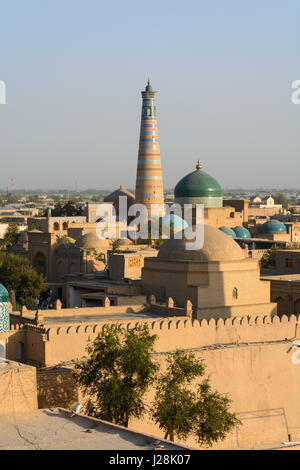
column 149, row 182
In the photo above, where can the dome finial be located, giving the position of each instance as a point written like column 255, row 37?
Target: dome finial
column 198, row 166
column 148, row 86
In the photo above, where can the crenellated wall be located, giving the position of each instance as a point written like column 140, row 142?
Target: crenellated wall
column 68, row 342
column 253, row 359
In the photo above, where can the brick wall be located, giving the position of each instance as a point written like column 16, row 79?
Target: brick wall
column 56, row 387
column 18, row 391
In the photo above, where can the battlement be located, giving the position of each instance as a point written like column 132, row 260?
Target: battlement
column 68, row 342
column 177, row 323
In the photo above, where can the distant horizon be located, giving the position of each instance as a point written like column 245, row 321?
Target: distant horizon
column 62, row 190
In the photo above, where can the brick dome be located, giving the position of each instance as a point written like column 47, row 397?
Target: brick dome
column 217, row 247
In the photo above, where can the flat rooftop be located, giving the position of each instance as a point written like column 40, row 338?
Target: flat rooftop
column 59, row 429
column 111, row 317
column 281, row 277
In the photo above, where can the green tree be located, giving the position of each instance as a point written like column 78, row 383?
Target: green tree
column 116, row 247
column 180, row 410
column 61, row 240
column 117, row 373
column 268, row 260
column 17, row 275
column 280, row 198
column 11, row 235
column 99, row 256
column 67, row 209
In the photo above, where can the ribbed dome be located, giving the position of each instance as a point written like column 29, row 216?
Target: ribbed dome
column 199, row 187
column 242, row 232
column 92, row 241
column 273, row 225
column 217, row 247
column 229, row 231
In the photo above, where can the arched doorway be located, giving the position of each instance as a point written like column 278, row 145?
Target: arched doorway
column 40, row 263
column 282, row 305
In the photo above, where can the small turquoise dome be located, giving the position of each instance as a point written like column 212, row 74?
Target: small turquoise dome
column 3, row 294
column 242, row 232
column 273, row 225
column 199, row 187
column 4, row 313
column 228, row 231
column 174, row 221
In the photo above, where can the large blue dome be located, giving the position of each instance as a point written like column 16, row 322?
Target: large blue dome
column 199, row 187
column 242, row 232
column 273, row 226
column 229, row 231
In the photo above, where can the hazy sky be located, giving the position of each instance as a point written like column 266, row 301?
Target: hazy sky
column 223, row 70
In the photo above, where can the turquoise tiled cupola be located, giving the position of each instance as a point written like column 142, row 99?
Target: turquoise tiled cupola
column 4, row 313
column 199, row 187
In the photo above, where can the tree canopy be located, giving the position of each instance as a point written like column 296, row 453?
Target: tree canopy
column 11, row 235
column 17, row 275
column 181, row 411
column 117, row 373
column 69, row 208
column 281, row 198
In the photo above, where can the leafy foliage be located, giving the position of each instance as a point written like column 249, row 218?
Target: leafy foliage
column 17, row 275
column 268, row 259
column 68, row 208
column 117, row 373
column 281, row 198
column 11, row 235
column 62, row 239
column 99, row 256
column 213, row 420
column 181, row 411
column 173, row 409
column 116, row 247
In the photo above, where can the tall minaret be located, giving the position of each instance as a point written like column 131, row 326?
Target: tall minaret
column 149, row 182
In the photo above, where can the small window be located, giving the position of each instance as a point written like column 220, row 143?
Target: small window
column 235, row 293
column 288, row 262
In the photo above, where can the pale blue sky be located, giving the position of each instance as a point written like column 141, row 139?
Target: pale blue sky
column 222, row 69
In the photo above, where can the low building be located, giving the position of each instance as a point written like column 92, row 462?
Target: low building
column 217, row 278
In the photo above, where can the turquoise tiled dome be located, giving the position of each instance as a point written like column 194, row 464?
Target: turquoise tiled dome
column 199, row 187
column 242, row 232
column 175, row 221
column 273, row 225
column 4, row 313
column 229, row 231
